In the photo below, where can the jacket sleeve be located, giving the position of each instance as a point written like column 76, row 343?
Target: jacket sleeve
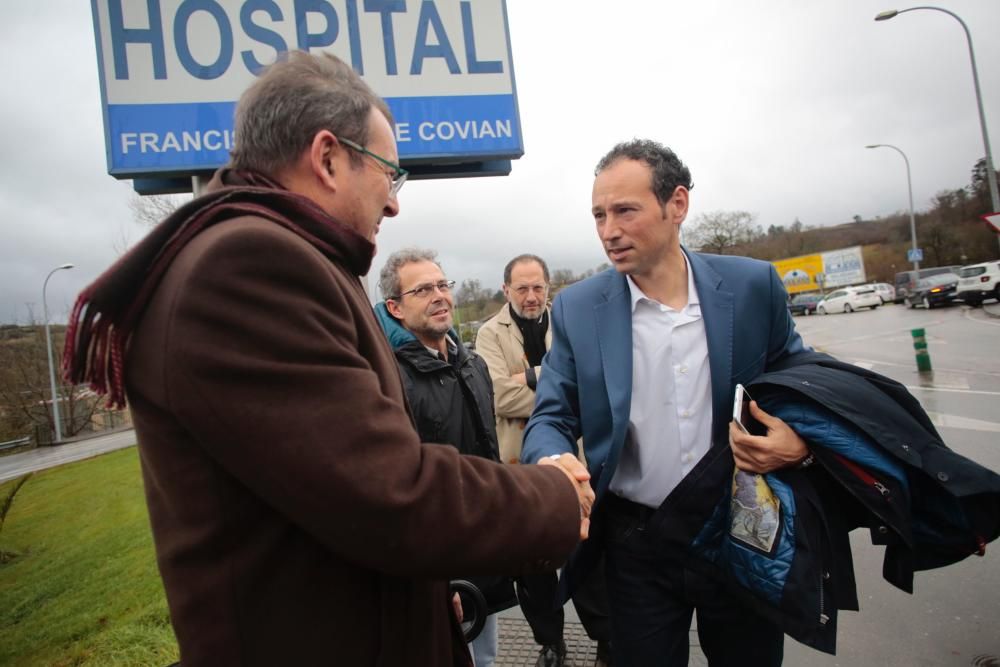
column 784, row 340
column 273, row 352
column 513, row 400
column 554, row 426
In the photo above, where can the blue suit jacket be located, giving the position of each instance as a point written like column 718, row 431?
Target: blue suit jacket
column 585, row 388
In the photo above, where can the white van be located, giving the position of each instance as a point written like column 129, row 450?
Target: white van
column 978, row 282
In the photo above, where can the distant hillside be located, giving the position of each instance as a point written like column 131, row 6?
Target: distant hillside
column 950, row 233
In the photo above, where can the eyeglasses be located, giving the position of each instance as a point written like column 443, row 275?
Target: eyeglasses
column 423, row 291
column 398, row 175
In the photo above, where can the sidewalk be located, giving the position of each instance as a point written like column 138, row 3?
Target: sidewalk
column 517, row 648
column 40, row 458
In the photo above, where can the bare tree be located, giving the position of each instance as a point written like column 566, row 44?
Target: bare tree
column 149, row 210
column 719, row 231
column 25, row 398
column 563, row 277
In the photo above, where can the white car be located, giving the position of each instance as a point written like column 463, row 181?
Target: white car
column 885, row 291
column 849, row 299
column 978, row 282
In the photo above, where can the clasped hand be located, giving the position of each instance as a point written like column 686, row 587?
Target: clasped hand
column 780, row 448
column 578, row 475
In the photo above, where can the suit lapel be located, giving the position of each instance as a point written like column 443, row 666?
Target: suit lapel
column 717, row 312
column 614, row 339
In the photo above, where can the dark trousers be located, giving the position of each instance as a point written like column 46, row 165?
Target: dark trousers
column 652, row 597
column 537, row 595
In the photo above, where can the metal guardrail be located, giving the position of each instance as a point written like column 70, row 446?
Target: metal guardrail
column 11, row 444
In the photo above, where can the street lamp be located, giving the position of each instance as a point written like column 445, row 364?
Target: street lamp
column 909, row 186
column 991, row 177
column 48, row 348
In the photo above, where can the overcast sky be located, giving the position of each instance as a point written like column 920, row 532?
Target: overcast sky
column 770, row 104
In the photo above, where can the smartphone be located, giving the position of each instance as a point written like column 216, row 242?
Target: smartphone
column 741, row 413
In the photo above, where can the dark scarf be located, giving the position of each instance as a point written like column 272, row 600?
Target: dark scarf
column 533, row 332
column 106, row 312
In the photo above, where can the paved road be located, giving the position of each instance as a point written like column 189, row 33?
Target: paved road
column 15, row 465
column 953, row 617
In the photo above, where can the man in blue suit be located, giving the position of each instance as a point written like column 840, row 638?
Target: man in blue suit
column 643, row 365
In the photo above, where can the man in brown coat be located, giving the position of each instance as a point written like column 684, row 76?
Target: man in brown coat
column 297, row 518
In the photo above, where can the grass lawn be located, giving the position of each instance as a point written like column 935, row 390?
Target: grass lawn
column 85, row 589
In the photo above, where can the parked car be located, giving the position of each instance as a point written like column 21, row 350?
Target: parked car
column 939, row 290
column 978, row 282
column 885, row 291
column 804, row 304
column 849, row 299
column 906, row 281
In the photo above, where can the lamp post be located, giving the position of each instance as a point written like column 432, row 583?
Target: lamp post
column 48, row 348
column 909, row 186
column 991, row 177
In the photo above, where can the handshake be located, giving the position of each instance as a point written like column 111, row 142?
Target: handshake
column 577, row 473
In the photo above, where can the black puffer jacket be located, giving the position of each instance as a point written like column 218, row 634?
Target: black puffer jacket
column 451, row 403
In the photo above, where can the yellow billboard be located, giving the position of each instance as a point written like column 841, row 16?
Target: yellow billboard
column 833, row 268
column 799, row 273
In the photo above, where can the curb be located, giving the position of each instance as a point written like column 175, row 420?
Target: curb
column 992, row 311
column 517, row 647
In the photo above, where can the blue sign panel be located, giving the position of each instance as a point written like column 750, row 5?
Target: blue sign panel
column 915, row 255
column 172, row 70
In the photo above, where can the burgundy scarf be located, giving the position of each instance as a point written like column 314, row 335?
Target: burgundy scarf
column 106, row 312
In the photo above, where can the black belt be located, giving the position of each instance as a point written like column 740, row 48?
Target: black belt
column 624, row 507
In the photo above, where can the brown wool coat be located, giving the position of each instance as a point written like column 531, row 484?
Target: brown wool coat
column 297, row 518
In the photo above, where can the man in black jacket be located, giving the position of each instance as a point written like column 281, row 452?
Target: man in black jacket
column 448, row 388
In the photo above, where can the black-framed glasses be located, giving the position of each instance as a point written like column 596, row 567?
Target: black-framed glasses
column 423, row 291
column 398, row 175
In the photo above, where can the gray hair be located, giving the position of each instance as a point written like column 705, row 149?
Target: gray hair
column 668, row 170
column 301, row 94
column 388, row 279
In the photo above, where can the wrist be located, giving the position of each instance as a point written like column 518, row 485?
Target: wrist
column 809, row 460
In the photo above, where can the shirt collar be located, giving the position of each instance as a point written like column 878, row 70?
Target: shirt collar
column 637, row 294
column 452, row 348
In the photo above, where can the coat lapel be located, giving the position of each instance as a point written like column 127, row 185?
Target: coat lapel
column 614, row 339
column 717, row 312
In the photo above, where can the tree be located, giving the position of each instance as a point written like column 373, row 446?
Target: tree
column 150, row 210
column 25, row 395
column 471, row 292
column 979, row 188
column 563, row 277
column 719, row 231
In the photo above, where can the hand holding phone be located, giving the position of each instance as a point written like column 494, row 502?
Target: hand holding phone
column 741, row 413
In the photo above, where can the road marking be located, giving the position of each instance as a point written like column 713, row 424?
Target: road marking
column 894, row 335
column 963, row 373
column 951, row 390
column 966, row 423
column 943, row 380
column 967, row 314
